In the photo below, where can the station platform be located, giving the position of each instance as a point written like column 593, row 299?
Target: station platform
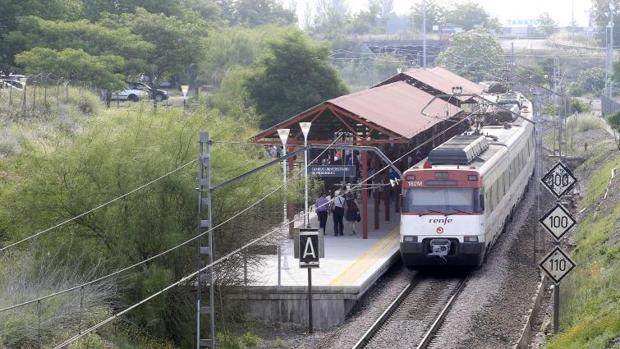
column 350, row 267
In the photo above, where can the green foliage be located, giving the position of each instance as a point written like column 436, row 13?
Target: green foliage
column 228, row 340
column 579, row 106
column 434, row 14
column 253, row 13
column 468, row 16
column 91, row 341
column 111, row 156
column 614, row 122
column 92, row 38
column 294, row 75
column 590, row 80
column 475, row 55
column 176, row 40
column 75, row 65
column 590, row 296
column 547, row 24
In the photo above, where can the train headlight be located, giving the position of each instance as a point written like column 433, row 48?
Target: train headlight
column 470, row 238
column 409, row 238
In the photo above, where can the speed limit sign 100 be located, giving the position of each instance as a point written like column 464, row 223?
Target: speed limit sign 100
column 558, row 221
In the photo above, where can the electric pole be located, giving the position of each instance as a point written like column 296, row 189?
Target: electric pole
column 423, row 33
column 610, row 51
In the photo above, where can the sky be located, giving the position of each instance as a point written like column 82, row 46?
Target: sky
column 560, row 10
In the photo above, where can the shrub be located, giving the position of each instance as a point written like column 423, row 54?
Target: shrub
column 579, row 106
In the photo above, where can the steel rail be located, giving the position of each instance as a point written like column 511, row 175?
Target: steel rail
column 430, row 334
column 387, row 313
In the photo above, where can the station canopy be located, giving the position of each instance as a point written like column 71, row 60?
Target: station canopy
column 389, row 113
column 438, row 81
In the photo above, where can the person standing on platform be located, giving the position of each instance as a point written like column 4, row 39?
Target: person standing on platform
column 353, row 211
column 338, row 213
column 322, row 210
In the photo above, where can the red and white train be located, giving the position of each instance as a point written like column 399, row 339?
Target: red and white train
column 457, row 201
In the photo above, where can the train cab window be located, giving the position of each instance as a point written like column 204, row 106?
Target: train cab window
column 441, row 200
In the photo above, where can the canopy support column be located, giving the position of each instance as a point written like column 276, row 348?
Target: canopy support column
column 364, row 194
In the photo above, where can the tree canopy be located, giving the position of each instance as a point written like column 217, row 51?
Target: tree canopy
column 292, row 76
column 475, row 54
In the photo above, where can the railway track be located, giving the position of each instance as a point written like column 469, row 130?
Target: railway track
column 415, row 315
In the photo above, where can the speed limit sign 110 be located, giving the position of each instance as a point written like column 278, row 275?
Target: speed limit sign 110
column 557, row 264
column 558, row 221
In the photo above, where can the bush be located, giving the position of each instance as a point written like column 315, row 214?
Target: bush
column 579, row 106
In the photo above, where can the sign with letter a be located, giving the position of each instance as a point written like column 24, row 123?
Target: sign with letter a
column 309, row 248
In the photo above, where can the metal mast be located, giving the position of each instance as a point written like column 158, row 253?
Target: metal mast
column 205, row 310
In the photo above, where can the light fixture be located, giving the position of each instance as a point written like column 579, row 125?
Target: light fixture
column 283, row 133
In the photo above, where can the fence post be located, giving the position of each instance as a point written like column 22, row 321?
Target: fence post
column 81, row 310
column 39, row 323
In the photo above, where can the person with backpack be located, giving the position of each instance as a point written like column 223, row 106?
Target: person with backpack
column 352, row 212
column 338, row 213
column 322, row 210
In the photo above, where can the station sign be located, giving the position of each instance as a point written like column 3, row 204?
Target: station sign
column 332, row 170
column 559, row 180
column 558, row 221
column 308, row 248
column 557, row 264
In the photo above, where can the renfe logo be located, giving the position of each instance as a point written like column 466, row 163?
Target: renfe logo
column 443, row 221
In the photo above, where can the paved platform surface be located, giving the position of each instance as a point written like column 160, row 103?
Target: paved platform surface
column 350, row 261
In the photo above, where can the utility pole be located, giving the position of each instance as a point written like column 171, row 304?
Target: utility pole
column 205, row 248
column 423, row 33
column 538, row 164
column 610, row 51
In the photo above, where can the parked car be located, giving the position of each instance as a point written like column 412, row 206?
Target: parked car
column 136, row 91
column 13, row 81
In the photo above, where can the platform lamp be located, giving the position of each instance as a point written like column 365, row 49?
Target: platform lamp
column 305, row 129
column 283, row 133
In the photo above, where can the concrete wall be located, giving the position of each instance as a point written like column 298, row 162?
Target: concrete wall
column 330, row 305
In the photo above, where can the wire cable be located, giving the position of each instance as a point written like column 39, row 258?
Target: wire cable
column 119, row 271
column 232, row 253
column 4, row 248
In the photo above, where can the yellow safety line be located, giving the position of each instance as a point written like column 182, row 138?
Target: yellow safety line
column 361, row 265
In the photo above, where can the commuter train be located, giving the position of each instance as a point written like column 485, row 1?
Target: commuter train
column 456, row 202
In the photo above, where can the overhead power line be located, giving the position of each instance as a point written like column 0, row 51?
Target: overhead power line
column 232, row 253
column 144, row 261
column 4, row 248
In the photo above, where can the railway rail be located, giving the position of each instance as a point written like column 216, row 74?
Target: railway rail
column 416, row 314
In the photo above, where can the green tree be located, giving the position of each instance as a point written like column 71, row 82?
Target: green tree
column 468, row 16
column 474, row 54
column 434, row 15
column 95, row 39
column 614, row 122
column 547, row 24
column 178, row 41
column 292, row 76
column 601, row 15
column 75, row 65
column 252, row 13
column 11, row 10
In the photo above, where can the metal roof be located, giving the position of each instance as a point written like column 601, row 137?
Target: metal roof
column 393, row 110
column 444, row 80
column 397, row 107
column 435, row 80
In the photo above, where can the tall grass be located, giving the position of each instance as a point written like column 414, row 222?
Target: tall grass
column 24, row 276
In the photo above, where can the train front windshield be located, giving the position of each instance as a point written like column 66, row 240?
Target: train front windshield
column 441, row 200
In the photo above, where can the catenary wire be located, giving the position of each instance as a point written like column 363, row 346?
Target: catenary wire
column 4, row 248
column 119, row 271
column 232, row 253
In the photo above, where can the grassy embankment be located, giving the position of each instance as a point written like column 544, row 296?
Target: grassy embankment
column 590, row 295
